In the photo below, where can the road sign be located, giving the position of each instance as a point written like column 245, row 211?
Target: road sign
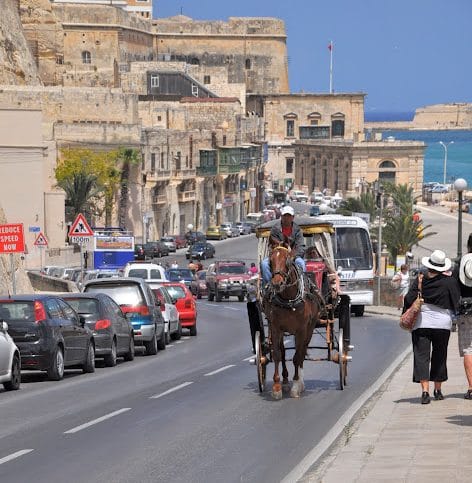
column 41, row 240
column 12, row 238
column 80, row 228
column 79, row 240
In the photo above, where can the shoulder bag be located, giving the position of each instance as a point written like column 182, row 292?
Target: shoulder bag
column 408, row 318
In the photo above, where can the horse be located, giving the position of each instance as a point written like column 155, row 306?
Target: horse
column 291, row 307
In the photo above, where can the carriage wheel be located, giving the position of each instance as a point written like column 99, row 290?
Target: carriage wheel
column 342, row 362
column 260, row 364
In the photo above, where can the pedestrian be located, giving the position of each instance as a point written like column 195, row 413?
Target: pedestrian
column 463, row 273
column 401, row 280
column 253, row 269
column 430, row 334
column 199, row 265
column 192, row 266
column 174, row 264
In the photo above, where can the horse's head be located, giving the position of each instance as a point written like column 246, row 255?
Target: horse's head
column 281, row 259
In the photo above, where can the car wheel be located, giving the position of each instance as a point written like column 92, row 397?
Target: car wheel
column 193, row 330
column 151, row 346
column 161, row 343
column 177, row 335
column 167, row 335
column 129, row 356
column 211, row 296
column 56, row 370
column 110, row 359
column 241, row 298
column 218, row 296
column 199, row 295
column 89, row 364
column 14, row 383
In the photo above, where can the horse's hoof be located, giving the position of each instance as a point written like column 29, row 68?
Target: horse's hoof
column 277, row 395
column 294, row 393
column 286, row 387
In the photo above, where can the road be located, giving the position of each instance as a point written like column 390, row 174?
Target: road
column 193, row 412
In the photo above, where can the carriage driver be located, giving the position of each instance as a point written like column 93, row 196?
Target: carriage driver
column 286, row 228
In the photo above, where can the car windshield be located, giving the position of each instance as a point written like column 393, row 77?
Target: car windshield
column 122, row 294
column 199, row 246
column 17, row 312
column 176, row 292
column 167, row 239
column 83, row 305
column 179, row 274
column 233, row 269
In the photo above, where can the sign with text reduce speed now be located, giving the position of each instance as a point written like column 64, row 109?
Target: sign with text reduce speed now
column 12, row 239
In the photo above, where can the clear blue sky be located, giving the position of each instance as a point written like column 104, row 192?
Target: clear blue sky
column 403, row 54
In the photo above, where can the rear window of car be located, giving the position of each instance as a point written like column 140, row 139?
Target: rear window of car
column 121, row 294
column 176, row 292
column 138, row 273
column 12, row 312
column 83, row 305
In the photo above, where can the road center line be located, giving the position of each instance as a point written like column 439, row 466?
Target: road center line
column 12, row 456
column 96, row 421
column 176, row 388
column 219, row 370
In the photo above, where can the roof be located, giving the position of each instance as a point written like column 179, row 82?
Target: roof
column 308, row 224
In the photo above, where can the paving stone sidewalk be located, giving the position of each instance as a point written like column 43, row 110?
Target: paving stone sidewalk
column 396, row 439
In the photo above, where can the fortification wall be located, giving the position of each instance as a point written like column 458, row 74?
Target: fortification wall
column 444, row 116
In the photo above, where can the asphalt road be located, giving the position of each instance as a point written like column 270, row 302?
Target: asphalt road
column 193, row 413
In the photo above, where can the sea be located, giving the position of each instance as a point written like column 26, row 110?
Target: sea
column 459, row 148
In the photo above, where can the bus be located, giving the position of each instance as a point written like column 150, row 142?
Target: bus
column 112, row 248
column 354, row 259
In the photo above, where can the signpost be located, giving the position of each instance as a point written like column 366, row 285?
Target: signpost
column 80, row 233
column 12, row 240
column 41, row 242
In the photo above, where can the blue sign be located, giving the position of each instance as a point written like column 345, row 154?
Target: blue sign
column 34, row 229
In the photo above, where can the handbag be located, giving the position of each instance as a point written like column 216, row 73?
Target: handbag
column 395, row 283
column 408, row 318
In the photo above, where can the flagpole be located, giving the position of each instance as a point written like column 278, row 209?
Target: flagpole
column 330, row 47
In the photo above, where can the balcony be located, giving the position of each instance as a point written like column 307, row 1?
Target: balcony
column 206, row 171
column 186, row 173
column 159, row 175
column 159, row 200
column 185, row 196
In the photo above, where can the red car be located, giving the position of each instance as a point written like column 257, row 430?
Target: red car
column 185, row 304
column 180, row 241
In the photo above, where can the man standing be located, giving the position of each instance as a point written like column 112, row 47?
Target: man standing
column 285, row 229
column 464, row 320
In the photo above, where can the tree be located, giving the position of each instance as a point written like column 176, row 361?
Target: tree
column 364, row 204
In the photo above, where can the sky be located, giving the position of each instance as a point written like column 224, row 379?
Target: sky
column 403, row 54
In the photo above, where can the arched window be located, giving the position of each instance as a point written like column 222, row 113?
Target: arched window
column 337, row 124
column 86, row 57
column 248, row 64
column 387, row 171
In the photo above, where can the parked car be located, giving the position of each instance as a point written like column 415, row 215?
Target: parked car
column 298, row 195
column 216, row 233
column 138, row 302
column 185, row 304
column 49, row 334
column 194, row 236
column 147, row 270
column 112, row 331
column 252, row 224
column 180, row 241
column 169, row 242
column 139, row 252
column 230, row 229
column 200, row 251
column 10, row 362
column 173, row 328
column 184, row 275
column 155, row 249
column 198, row 287
column 316, row 197
column 244, row 228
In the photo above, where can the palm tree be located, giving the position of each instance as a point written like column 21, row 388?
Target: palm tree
column 129, row 156
column 364, row 204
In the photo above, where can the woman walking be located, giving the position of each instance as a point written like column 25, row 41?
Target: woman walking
column 402, row 280
column 430, row 335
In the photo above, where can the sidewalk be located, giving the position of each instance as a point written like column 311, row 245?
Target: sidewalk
column 396, row 439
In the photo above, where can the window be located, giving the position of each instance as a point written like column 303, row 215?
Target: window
column 153, row 162
column 162, row 160
column 337, row 128
column 290, row 128
column 206, row 79
column 86, row 57
column 289, row 165
column 194, row 90
column 248, row 64
column 154, row 80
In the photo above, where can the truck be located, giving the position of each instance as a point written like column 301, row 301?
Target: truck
column 227, row 279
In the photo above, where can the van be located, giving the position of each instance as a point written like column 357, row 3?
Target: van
column 151, row 272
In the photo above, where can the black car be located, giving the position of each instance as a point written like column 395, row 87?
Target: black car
column 49, row 334
column 201, row 251
column 155, row 249
column 112, row 331
column 193, row 237
column 139, row 252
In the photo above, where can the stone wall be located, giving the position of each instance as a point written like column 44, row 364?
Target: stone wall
column 444, row 116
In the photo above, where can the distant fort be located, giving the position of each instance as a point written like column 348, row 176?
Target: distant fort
column 457, row 115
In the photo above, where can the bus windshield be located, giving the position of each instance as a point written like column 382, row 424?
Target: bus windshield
column 352, row 249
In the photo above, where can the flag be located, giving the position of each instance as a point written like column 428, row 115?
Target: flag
column 330, row 46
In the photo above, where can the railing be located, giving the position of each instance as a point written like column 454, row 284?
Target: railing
column 159, row 199
column 206, row 170
column 184, row 196
column 183, row 173
column 159, row 175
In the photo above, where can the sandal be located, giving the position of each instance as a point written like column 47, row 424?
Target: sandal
column 468, row 394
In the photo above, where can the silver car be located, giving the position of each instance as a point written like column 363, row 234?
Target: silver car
column 169, row 242
column 10, row 363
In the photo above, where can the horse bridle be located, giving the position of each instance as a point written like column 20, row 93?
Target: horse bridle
column 284, row 275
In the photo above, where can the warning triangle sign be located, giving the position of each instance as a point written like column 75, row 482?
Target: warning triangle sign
column 41, row 240
column 80, row 227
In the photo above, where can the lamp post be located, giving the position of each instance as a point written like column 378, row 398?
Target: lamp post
column 460, row 184
column 445, row 145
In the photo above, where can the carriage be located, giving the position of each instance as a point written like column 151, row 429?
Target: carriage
column 332, row 325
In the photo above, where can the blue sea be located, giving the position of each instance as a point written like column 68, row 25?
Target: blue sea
column 459, row 153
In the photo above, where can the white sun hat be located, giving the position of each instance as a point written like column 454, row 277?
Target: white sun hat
column 287, row 210
column 437, row 261
column 465, row 270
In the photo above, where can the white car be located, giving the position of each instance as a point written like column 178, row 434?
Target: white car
column 298, row 195
column 10, row 362
column 172, row 326
column 151, row 272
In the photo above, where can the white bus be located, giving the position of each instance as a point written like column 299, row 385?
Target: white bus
column 354, row 259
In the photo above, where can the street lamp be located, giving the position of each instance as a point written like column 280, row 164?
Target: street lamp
column 445, row 145
column 460, row 184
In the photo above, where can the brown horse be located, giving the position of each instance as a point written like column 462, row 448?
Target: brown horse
column 289, row 307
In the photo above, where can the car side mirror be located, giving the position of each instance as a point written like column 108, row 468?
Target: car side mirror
column 81, row 320
column 158, row 303
column 174, row 301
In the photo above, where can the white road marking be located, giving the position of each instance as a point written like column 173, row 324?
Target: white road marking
column 13, row 456
column 176, row 388
column 218, row 370
column 96, row 421
column 248, row 358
